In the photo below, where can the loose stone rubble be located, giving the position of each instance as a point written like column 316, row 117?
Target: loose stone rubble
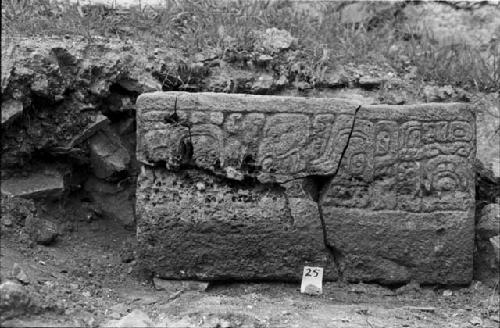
column 256, row 187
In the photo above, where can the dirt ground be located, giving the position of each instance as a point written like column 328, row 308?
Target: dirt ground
column 89, row 277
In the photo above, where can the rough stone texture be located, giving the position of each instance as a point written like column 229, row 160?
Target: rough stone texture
column 41, row 231
column 97, row 123
column 274, row 139
column 486, row 261
column 63, row 88
column 180, row 285
column 14, row 300
column 10, row 110
column 49, row 183
column 404, row 193
column 108, row 157
column 115, row 201
column 20, row 274
column 488, row 133
column 136, row 318
column 395, row 187
column 488, row 224
column 194, row 225
column 16, row 210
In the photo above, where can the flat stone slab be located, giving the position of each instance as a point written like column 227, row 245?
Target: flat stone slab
column 388, row 190
column 46, row 184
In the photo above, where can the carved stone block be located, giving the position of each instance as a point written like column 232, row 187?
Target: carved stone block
column 254, row 187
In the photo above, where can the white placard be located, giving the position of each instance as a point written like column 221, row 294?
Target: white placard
column 312, row 281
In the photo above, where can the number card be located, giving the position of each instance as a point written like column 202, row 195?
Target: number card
column 312, row 281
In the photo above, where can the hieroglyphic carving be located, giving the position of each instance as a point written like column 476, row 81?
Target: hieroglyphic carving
column 383, row 188
column 448, row 184
column 409, row 164
column 242, row 140
column 350, row 188
column 207, row 141
column 385, row 167
column 284, row 137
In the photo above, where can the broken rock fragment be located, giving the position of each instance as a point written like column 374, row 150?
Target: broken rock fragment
column 109, row 158
column 256, row 187
column 10, row 110
column 41, row 231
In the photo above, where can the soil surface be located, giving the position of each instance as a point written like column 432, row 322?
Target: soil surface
column 89, row 277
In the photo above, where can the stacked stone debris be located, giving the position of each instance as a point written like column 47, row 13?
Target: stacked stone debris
column 255, row 187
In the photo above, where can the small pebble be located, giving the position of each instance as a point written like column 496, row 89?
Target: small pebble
column 447, row 293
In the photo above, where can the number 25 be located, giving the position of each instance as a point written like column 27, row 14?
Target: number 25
column 314, row 273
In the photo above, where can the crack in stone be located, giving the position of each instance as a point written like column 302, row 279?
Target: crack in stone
column 187, row 151
column 338, row 256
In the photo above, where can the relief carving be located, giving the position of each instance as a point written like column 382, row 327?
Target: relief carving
column 283, row 140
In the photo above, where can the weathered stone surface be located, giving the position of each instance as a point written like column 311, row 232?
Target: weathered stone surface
column 180, row 285
column 10, row 110
column 395, row 187
column 136, row 318
column 486, row 260
column 404, row 192
column 19, row 274
column 488, row 133
column 274, row 139
column 192, row 225
column 98, row 123
column 16, row 210
column 14, row 300
column 41, row 231
column 49, row 183
column 108, row 157
column 488, row 224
